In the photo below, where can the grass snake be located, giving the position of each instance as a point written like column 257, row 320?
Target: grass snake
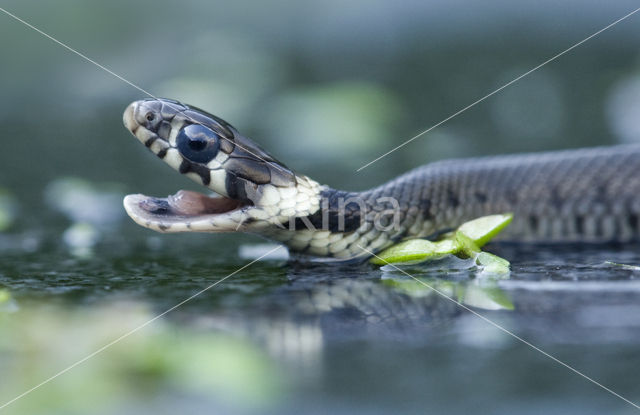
column 585, row 195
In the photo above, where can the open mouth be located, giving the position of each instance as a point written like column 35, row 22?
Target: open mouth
column 150, row 121
column 186, row 211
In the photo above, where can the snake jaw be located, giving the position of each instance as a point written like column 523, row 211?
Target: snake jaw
column 255, row 189
column 187, row 211
column 154, row 123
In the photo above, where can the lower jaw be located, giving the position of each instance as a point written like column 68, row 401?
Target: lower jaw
column 186, row 211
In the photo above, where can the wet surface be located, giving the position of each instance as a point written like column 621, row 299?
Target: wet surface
column 352, row 337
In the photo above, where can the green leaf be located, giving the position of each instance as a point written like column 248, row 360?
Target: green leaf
column 411, row 251
column 446, row 246
column 465, row 241
column 483, row 229
column 466, row 245
column 492, row 264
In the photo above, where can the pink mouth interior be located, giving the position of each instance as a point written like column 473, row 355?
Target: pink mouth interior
column 188, row 203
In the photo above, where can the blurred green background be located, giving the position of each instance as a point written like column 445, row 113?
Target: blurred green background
column 326, row 87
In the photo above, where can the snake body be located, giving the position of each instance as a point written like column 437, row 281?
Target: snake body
column 586, row 195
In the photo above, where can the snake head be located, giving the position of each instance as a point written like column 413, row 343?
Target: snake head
column 255, row 192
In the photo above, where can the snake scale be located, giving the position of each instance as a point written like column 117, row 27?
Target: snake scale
column 585, row 195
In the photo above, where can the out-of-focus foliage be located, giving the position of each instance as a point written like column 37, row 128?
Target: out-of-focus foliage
column 160, row 359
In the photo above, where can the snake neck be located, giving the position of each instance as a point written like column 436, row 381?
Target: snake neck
column 337, row 224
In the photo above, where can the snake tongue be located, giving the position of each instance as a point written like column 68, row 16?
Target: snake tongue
column 179, row 212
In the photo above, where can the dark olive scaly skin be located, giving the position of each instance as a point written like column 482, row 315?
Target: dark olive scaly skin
column 587, row 195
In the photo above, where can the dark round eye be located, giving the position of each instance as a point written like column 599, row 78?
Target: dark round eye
column 150, row 116
column 198, row 143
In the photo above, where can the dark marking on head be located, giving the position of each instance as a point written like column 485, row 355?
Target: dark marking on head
column 203, row 172
column 185, row 167
column 279, row 174
column 162, row 153
column 235, row 187
column 253, row 170
column 150, row 141
column 163, row 227
column 200, row 170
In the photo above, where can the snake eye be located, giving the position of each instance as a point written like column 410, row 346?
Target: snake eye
column 198, row 143
column 150, row 116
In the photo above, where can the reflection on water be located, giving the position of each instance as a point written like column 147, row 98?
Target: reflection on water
column 277, row 336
